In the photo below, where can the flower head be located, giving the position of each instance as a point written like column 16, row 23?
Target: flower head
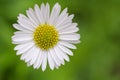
column 45, row 36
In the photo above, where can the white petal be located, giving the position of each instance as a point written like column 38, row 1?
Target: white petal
column 63, row 22
column 56, row 66
column 26, row 19
column 64, row 26
column 26, row 54
column 28, row 64
column 23, row 35
column 69, row 30
column 61, row 18
column 50, row 61
column 19, row 27
column 39, row 14
column 24, row 48
column 64, row 55
column 21, row 32
column 74, row 42
column 66, row 50
column 66, row 23
column 26, row 26
column 44, row 62
column 34, row 55
column 47, row 12
column 25, row 22
column 67, row 26
column 67, row 44
column 59, row 54
column 36, row 64
column 71, row 17
column 40, row 60
column 54, row 14
column 66, row 20
column 22, row 38
column 21, row 42
column 54, row 57
column 73, row 36
column 43, row 11
column 32, row 16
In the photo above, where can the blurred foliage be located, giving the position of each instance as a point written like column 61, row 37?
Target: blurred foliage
column 97, row 56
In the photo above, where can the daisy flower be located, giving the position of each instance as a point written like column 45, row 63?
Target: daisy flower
column 45, row 36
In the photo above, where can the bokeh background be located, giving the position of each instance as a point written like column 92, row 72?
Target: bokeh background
column 97, row 56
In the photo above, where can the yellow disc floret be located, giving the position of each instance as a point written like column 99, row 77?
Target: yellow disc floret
column 45, row 36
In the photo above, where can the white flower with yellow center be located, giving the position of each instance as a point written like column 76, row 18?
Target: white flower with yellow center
column 45, row 36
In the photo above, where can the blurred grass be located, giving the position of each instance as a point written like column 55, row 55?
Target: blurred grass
column 97, row 57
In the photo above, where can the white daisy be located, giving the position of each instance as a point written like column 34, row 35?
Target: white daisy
column 45, row 36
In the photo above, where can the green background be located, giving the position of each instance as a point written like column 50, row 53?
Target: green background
column 97, row 56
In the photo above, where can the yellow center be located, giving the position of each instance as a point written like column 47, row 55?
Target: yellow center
column 45, row 36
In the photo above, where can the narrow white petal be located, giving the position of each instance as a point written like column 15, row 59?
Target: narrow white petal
column 34, row 55
column 59, row 54
column 21, row 38
column 25, row 48
column 66, row 50
column 44, row 62
column 40, row 60
column 26, row 53
column 32, row 16
column 56, row 66
column 19, row 27
column 26, row 19
column 69, row 30
column 26, row 26
column 25, row 22
column 47, row 12
column 39, row 14
column 22, row 46
column 43, row 11
column 65, row 22
column 50, row 61
column 29, row 54
column 54, row 56
column 73, row 36
column 61, row 17
column 71, row 16
column 36, row 64
column 21, row 42
column 28, row 64
column 73, row 25
column 54, row 14
column 63, row 26
column 74, row 42
column 65, row 56
column 67, row 44
column 21, row 32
